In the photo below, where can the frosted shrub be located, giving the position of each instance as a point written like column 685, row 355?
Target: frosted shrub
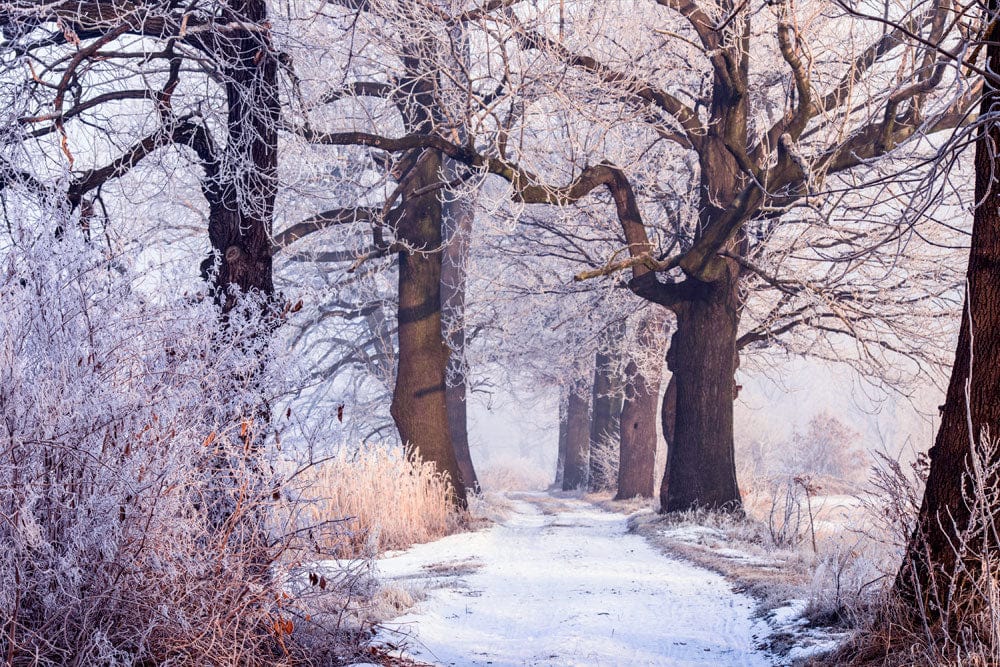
column 846, row 577
column 132, row 498
column 604, row 462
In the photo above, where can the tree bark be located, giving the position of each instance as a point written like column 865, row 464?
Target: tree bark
column 455, row 400
column 242, row 189
column 668, row 419
column 419, row 405
column 458, row 216
column 701, row 468
column 928, row 573
column 563, row 441
column 577, row 439
column 637, row 453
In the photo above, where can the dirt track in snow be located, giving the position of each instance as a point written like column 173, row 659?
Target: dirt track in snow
column 561, row 582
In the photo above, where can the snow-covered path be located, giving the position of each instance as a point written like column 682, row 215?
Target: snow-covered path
column 567, row 586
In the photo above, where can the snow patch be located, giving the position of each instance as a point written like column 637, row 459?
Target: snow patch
column 789, row 626
column 694, row 534
column 568, row 588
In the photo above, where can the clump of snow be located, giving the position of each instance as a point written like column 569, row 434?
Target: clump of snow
column 788, row 615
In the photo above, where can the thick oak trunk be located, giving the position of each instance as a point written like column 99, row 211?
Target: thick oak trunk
column 973, row 399
column 637, row 451
column 458, row 216
column 241, row 184
column 419, row 405
column 577, row 440
column 701, row 469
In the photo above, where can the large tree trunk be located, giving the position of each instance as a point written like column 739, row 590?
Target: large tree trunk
column 636, row 474
column 244, row 183
column 928, row 575
column 419, row 405
column 458, row 215
column 637, row 451
column 607, row 406
column 577, row 439
column 563, row 441
column 701, row 470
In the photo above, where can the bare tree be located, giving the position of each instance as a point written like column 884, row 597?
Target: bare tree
column 750, row 173
column 762, row 149
column 86, row 58
column 827, row 447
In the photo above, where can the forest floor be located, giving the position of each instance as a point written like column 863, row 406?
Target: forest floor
column 559, row 581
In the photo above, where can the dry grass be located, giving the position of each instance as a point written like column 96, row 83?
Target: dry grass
column 382, row 498
column 379, row 500
column 552, row 504
column 454, row 568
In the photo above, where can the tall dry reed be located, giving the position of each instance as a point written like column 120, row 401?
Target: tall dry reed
column 382, row 497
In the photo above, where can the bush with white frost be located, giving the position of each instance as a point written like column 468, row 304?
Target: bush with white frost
column 126, row 423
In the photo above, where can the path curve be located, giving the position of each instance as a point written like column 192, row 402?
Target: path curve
column 561, row 582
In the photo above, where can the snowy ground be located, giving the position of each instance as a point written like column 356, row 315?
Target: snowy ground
column 560, row 582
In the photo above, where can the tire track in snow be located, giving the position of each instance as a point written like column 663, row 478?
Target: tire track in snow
column 568, row 588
